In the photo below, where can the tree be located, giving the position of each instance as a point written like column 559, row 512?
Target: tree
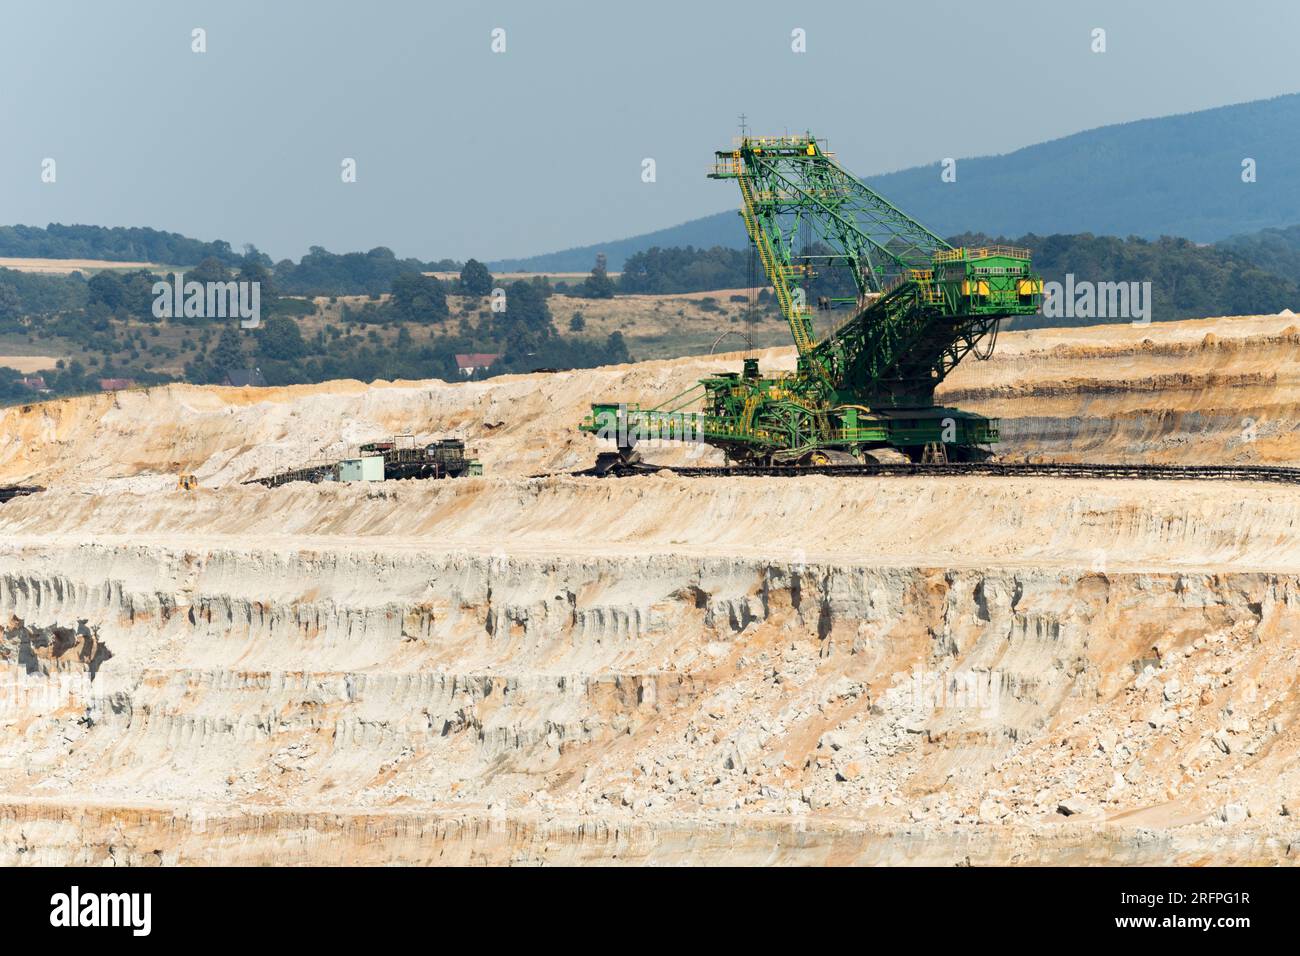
column 526, row 323
column 11, row 303
column 419, row 298
column 280, row 338
column 106, row 287
column 229, row 351
column 577, row 323
column 598, row 285
column 684, row 269
column 321, row 272
column 616, row 349
column 129, row 292
column 137, row 294
column 475, row 279
column 252, row 269
column 210, row 269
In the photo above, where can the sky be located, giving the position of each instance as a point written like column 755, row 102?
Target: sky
column 462, row 151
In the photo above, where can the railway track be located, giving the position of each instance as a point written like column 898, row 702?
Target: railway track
column 1268, row 473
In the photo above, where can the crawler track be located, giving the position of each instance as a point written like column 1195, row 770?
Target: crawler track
column 1269, row 473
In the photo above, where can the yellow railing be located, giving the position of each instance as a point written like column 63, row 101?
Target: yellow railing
column 930, row 293
column 981, row 252
column 774, row 274
column 770, row 140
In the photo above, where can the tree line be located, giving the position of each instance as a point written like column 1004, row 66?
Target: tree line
column 111, row 316
column 1246, row 275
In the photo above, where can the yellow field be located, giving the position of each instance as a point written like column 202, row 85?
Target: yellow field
column 68, row 266
column 27, row 363
column 512, row 276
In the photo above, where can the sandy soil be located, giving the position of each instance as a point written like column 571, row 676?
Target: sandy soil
column 523, row 670
column 1210, row 390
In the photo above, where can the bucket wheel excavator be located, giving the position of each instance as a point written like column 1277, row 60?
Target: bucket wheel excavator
column 915, row 307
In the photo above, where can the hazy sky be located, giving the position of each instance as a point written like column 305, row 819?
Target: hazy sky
column 464, row 152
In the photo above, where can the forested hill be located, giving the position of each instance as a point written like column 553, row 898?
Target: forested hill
column 116, row 243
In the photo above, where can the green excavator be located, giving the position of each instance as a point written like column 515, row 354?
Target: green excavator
column 915, row 307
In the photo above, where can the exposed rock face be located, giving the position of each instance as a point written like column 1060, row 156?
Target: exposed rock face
column 1213, row 390
column 38, row 651
column 657, row 669
column 297, row 688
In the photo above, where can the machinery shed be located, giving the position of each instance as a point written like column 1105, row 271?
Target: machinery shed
column 367, row 468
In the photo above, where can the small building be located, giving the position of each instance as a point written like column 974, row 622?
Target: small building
column 115, row 384
column 365, row 468
column 471, row 362
column 244, row 377
column 35, row 382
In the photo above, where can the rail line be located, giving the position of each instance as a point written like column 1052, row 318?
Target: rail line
column 1267, row 473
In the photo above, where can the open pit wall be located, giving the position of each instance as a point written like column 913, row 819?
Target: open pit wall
column 1223, row 390
column 653, row 670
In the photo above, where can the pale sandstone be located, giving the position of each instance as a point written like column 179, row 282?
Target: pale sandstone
column 656, row 669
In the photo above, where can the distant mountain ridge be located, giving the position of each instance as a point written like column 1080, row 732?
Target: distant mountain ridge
column 1170, row 176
